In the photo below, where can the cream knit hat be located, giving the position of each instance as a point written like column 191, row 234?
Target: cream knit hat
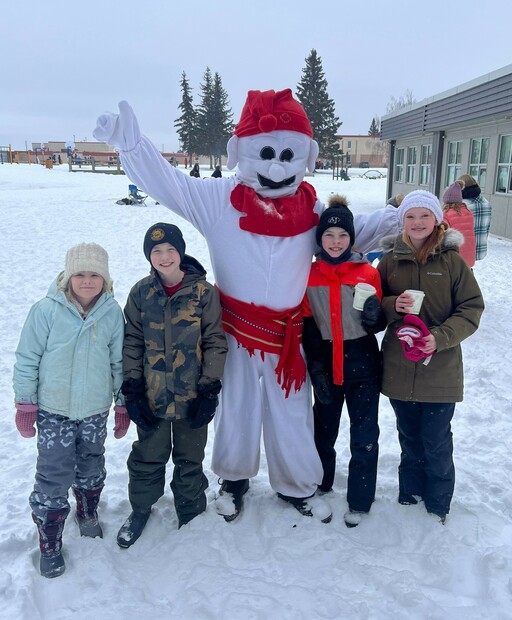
column 86, row 257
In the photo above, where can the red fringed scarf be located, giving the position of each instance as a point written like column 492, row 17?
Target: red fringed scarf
column 334, row 274
column 257, row 328
column 276, row 217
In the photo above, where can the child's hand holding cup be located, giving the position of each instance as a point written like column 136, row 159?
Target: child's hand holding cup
column 361, row 293
column 409, row 302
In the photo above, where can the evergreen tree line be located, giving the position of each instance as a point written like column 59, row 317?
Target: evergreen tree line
column 206, row 128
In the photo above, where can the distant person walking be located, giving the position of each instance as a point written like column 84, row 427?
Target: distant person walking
column 481, row 210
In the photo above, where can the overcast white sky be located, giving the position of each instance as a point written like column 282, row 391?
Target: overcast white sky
column 63, row 62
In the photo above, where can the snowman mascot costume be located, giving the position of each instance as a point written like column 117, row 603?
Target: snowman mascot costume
column 260, row 229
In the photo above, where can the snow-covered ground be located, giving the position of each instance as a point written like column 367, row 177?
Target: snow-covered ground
column 271, row 563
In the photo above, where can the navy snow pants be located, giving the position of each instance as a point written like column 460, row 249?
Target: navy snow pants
column 426, row 464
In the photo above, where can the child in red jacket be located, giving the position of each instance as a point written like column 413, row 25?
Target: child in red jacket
column 343, row 356
column 458, row 216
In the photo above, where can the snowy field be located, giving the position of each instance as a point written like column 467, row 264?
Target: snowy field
column 271, row 564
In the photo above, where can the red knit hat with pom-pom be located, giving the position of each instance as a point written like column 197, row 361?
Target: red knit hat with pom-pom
column 266, row 111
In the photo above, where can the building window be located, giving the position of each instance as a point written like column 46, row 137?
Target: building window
column 411, row 163
column 425, row 163
column 399, row 165
column 453, row 170
column 349, row 144
column 504, row 177
column 478, row 160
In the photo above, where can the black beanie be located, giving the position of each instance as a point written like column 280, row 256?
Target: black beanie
column 337, row 214
column 164, row 233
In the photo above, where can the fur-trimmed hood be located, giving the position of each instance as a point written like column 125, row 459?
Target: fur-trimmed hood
column 452, row 240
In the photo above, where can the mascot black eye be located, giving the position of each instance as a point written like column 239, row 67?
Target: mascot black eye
column 286, row 155
column 267, row 152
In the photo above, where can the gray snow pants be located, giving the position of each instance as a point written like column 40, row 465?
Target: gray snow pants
column 70, row 454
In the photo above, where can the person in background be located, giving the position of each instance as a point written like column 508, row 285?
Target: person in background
column 422, row 357
column 68, row 369
column 195, row 171
column 395, row 201
column 343, row 356
column 458, row 216
column 217, row 173
column 481, row 210
column 173, row 359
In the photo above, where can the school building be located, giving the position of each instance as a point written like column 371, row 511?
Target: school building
column 465, row 130
column 363, row 151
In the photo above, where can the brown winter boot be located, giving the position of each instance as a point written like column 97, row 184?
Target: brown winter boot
column 51, row 563
column 86, row 512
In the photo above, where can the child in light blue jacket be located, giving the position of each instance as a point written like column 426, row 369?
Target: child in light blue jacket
column 68, row 370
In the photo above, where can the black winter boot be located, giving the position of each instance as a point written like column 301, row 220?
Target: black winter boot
column 86, row 512
column 230, row 500
column 310, row 506
column 51, row 563
column 132, row 528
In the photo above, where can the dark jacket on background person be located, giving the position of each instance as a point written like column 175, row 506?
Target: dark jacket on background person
column 451, row 310
column 176, row 343
column 195, row 171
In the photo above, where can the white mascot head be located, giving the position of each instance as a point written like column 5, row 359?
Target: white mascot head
column 272, row 144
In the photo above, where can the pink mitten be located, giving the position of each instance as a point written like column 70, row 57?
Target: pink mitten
column 26, row 414
column 411, row 335
column 121, row 421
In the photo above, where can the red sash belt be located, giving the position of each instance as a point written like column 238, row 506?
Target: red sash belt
column 257, row 328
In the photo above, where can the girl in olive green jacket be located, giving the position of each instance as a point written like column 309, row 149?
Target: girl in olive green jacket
column 423, row 393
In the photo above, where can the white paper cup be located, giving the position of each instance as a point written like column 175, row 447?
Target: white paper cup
column 361, row 293
column 418, row 300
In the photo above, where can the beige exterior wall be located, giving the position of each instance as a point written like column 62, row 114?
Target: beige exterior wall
column 364, row 149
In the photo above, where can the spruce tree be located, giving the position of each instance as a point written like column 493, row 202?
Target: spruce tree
column 186, row 124
column 374, row 128
column 204, row 146
column 312, row 94
column 214, row 118
column 220, row 120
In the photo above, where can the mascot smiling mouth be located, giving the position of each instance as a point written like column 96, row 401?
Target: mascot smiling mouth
column 265, row 182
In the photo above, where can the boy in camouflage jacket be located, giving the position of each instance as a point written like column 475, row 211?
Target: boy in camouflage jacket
column 173, row 359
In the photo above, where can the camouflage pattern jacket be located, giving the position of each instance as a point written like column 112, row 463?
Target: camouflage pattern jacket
column 176, row 342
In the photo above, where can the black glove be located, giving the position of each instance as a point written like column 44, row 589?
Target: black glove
column 320, row 383
column 137, row 404
column 202, row 409
column 373, row 317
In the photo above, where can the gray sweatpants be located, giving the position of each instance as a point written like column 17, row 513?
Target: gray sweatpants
column 70, row 453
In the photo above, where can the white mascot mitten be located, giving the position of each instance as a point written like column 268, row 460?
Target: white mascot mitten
column 121, row 130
